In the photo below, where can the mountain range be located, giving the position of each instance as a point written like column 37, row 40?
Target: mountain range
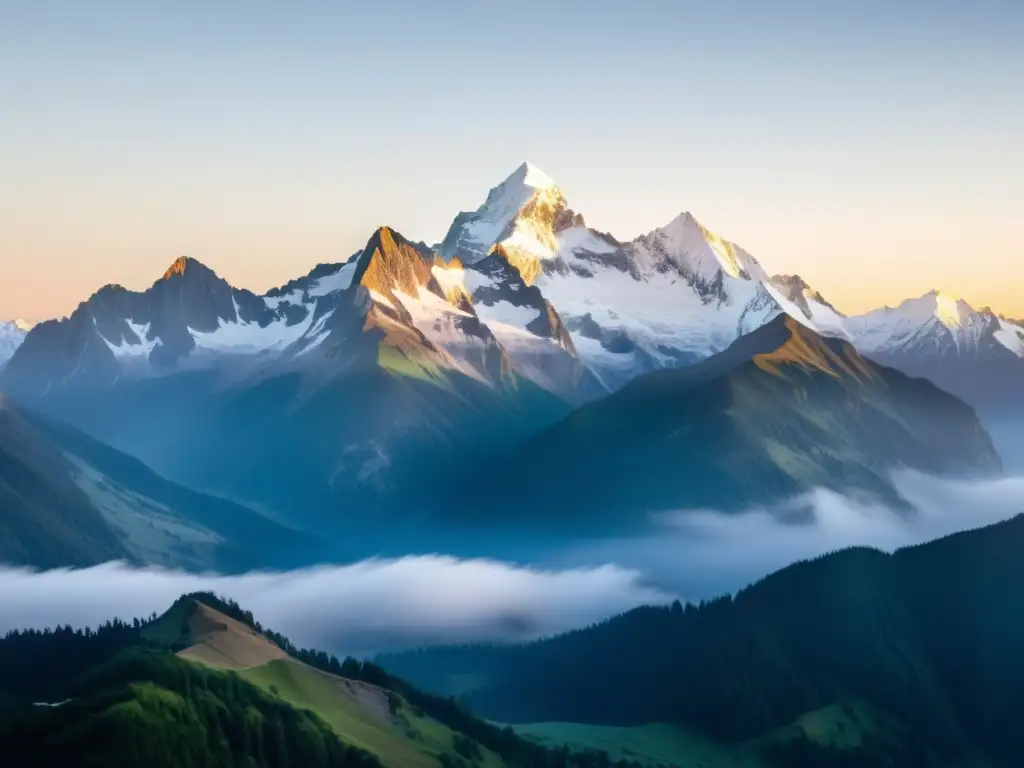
column 574, row 309
column 371, row 385
column 565, row 303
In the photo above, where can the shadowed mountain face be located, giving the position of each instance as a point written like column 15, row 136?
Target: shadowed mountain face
column 782, row 411
column 47, row 520
column 67, row 500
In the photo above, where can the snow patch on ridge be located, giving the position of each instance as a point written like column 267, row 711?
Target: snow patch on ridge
column 504, row 313
column 582, row 239
column 127, row 350
column 339, row 281
column 1011, row 336
column 451, row 279
column 238, row 337
column 440, row 322
column 659, row 309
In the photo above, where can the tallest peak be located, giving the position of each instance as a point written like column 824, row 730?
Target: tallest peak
column 530, row 175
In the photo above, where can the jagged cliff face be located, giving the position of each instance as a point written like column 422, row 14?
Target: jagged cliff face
column 667, row 298
column 524, row 213
column 420, row 316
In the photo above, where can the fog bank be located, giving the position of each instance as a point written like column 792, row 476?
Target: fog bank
column 407, row 602
column 703, row 553
column 361, row 608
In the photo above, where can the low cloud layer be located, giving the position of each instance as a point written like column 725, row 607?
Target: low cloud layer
column 703, row 553
column 414, row 601
column 370, row 606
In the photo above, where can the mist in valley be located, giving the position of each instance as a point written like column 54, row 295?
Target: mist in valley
column 404, row 602
column 704, row 553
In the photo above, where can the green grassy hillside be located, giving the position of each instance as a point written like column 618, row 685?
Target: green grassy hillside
column 205, row 685
column 153, row 709
column 367, row 716
column 362, row 715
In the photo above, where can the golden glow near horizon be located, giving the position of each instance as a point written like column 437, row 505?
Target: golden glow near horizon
column 51, row 261
column 877, row 154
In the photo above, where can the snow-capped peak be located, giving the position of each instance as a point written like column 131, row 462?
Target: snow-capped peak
column 22, row 324
column 689, row 244
column 951, row 311
column 520, row 214
column 524, row 185
column 532, row 176
column 934, row 321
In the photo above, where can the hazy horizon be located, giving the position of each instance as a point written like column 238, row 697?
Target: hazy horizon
column 871, row 148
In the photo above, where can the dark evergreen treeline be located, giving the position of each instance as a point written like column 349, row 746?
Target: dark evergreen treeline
column 39, row 665
column 931, row 636
column 154, row 709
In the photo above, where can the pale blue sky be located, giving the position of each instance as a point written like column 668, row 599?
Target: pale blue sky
column 874, row 147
